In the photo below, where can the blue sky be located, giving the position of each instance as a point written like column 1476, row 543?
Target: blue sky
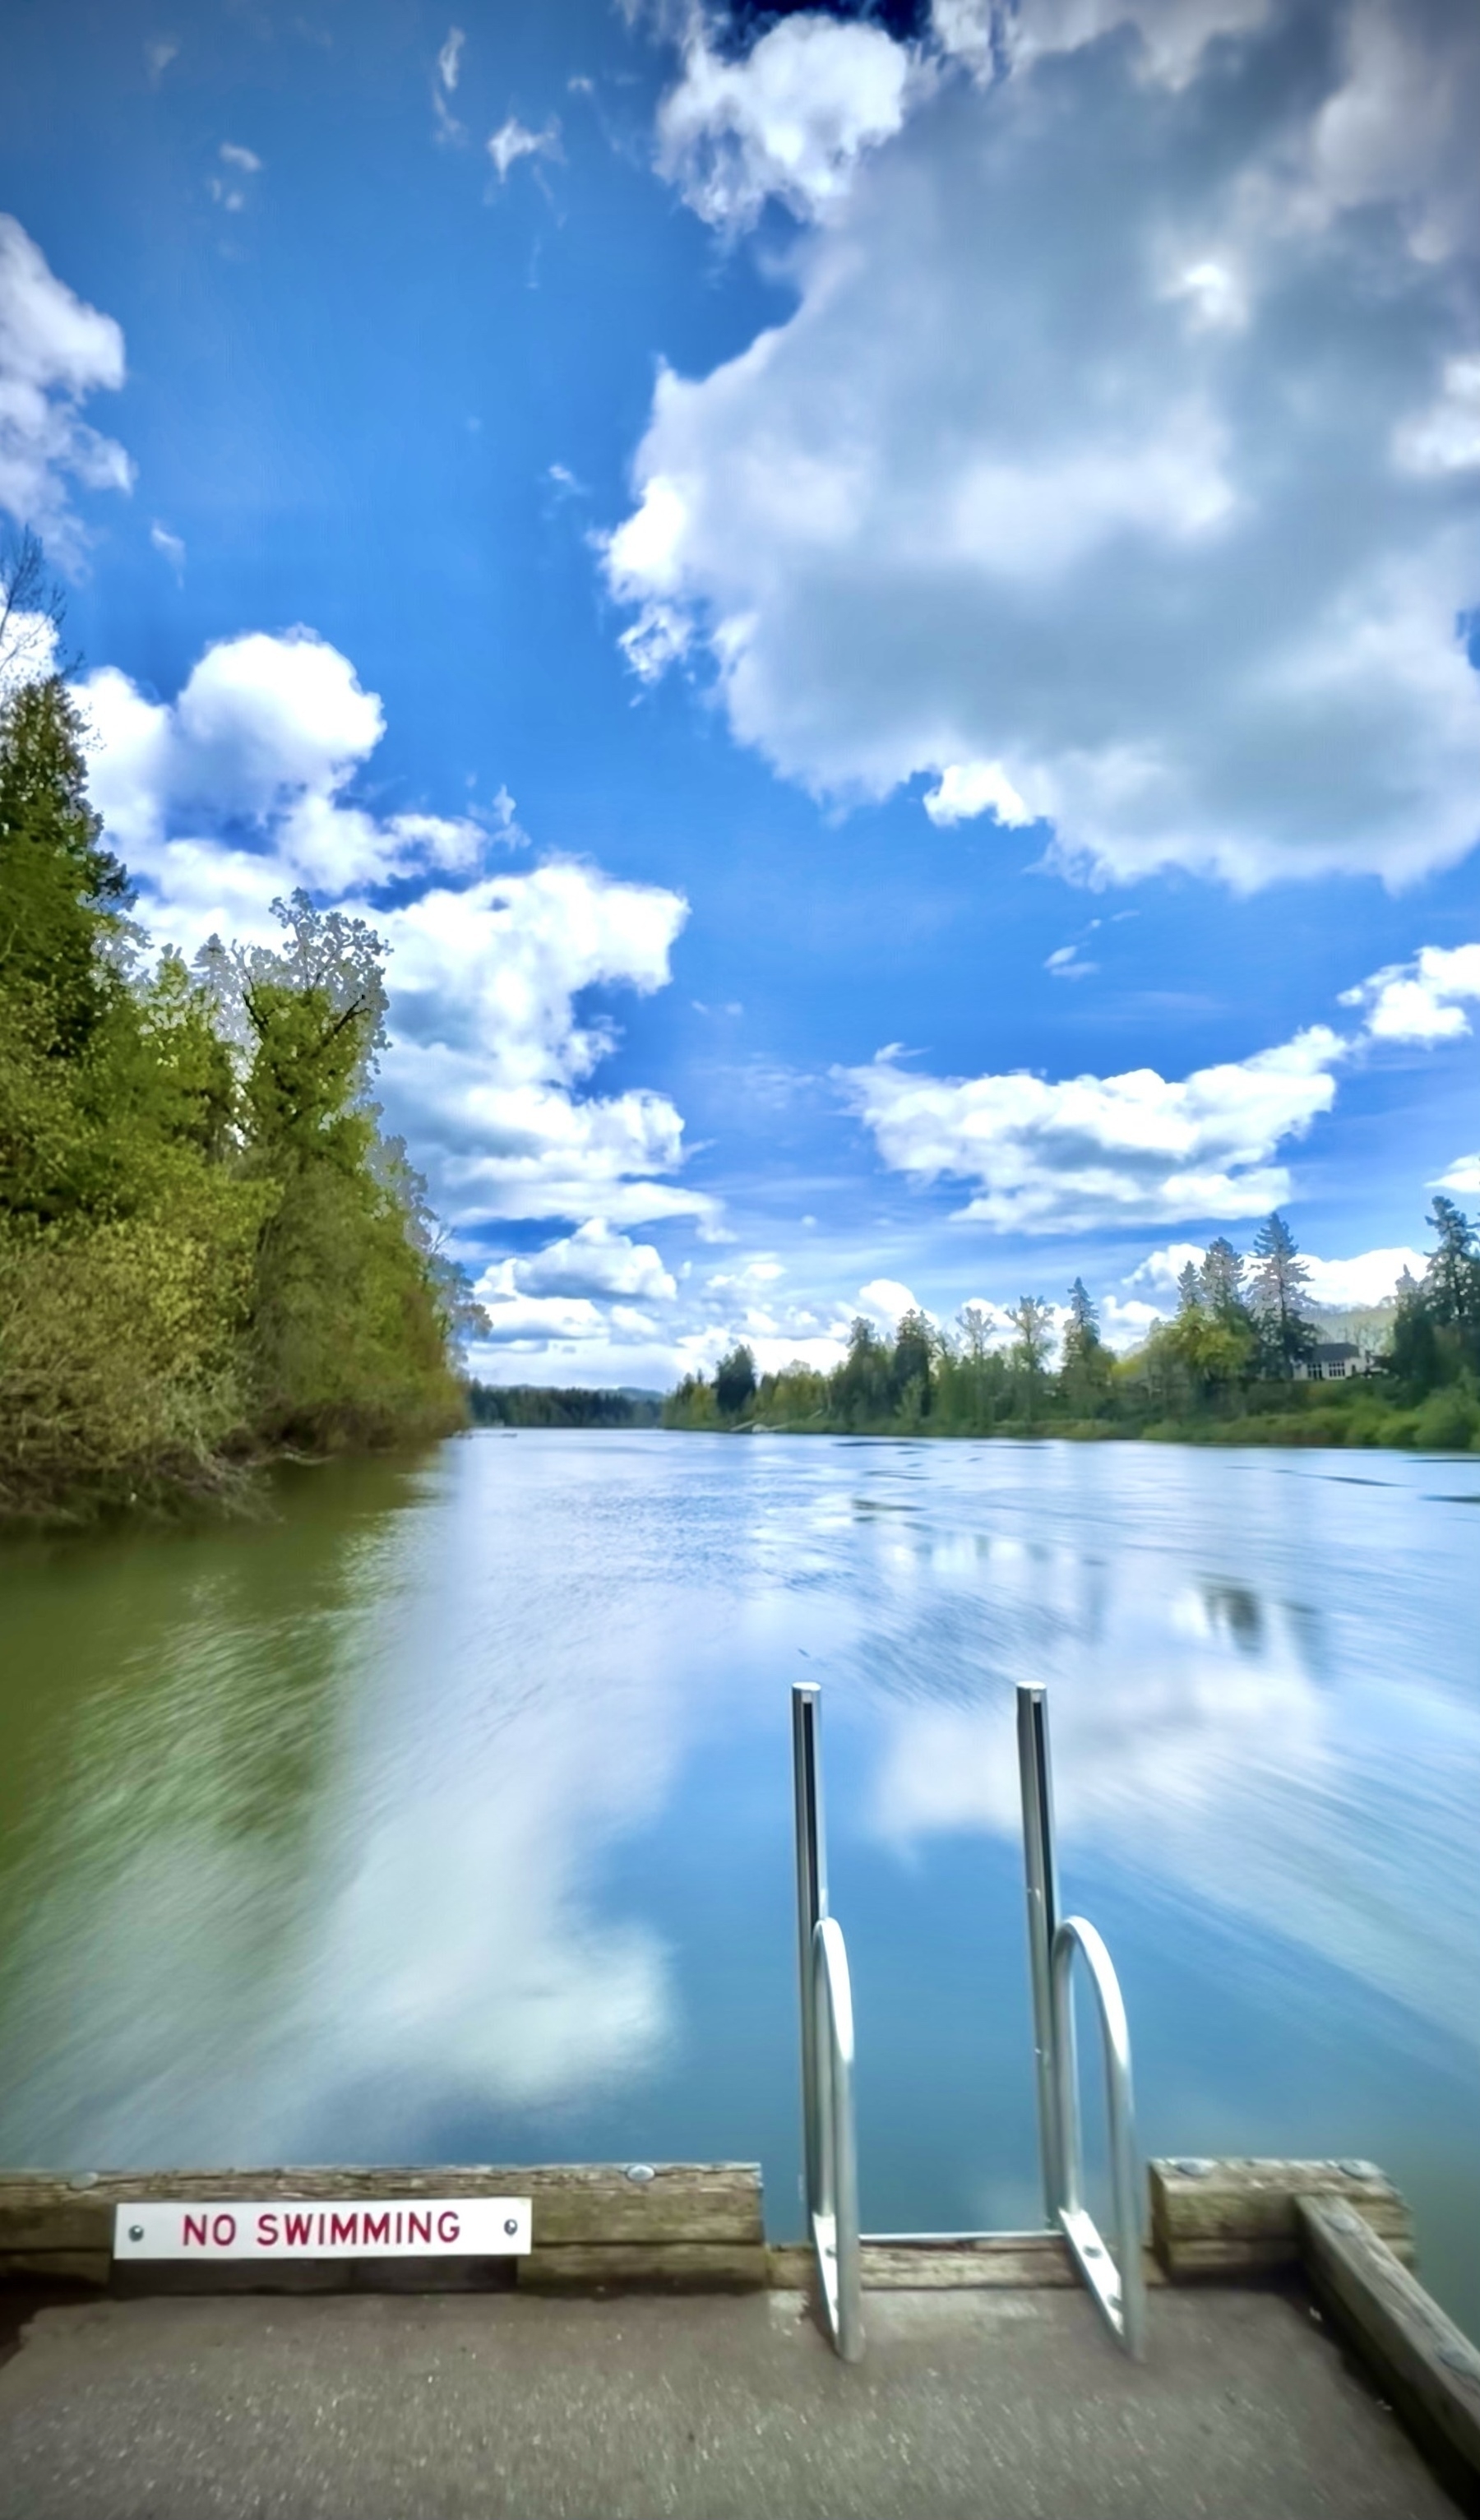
column 882, row 611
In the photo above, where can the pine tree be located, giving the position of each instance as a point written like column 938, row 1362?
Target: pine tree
column 1277, row 1292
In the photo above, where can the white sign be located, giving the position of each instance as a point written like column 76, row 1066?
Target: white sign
column 291, row 2226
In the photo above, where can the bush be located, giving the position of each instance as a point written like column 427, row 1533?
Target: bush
column 1449, row 1422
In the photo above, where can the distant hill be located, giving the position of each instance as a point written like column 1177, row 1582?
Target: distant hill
column 530, row 1404
column 1368, row 1327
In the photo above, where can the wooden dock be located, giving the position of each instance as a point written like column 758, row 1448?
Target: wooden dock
column 1337, row 2234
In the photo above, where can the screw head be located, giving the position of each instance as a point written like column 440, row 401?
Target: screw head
column 511, row 2226
column 136, row 2231
column 640, row 2173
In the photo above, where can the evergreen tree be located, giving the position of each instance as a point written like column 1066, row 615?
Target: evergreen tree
column 1221, row 1280
column 1190, row 1288
column 1277, row 1293
column 735, row 1381
column 1452, row 1280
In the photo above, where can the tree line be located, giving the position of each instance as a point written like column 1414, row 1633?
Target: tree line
column 209, row 1251
column 532, row 1403
column 1225, row 1369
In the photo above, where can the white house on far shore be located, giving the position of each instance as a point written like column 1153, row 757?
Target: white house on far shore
column 1332, row 1361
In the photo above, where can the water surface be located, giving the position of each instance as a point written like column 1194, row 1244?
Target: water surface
column 446, row 1815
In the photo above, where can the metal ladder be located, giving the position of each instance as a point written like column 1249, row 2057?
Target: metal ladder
column 1116, row 2281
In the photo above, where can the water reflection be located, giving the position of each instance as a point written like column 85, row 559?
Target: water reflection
column 447, row 1815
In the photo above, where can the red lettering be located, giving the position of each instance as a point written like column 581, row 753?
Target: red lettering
column 443, row 2233
column 223, row 2230
column 297, row 2229
column 196, row 2234
column 398, row 2231
column 267, row 2230
column 343, row 2228
column 418, row 2227
column 375, row 2228
column 321, row 2231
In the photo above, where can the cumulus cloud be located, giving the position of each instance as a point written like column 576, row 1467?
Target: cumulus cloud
column 240, row 788
column 1113, row 468
column 1421, row 1000
column 55, row 351
column 594, row 1261
column 487, row 1047
column 1168, row 37
column 262, row 745
column 513, row 140
column 1094, row 1151
column 1462, row 1175
column 1367, row 1277
column 789, row 120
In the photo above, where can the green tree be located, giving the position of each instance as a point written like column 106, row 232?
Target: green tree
column 1452, row 1280
column 1085, row 1370
column 1278, row 1297
column 912, row 1372
column 1033, row 1337
column 735, row 1381
column 862, row 1384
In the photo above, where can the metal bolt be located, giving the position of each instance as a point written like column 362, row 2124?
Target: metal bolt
column 640, row 2171
column 511, row 2226
column 136, row 2231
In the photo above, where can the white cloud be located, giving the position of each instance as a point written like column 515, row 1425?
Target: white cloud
column 1421, row 1000
column 885, row 1301
column 790, row 120
column 1462, row 1175
column 593, row 1262
column 158, row 57
column 1367, row 1277
column 1169, row 38
column 966, row 789
column 169, row 546
column 1094, row 1151
column 1446, row 438
column 245, row 160
column 512, row 141
column 267, row 733
column 240, row 789
column 487, row 1050
column 54, row 351
column 449, row 57
column 1082, row 479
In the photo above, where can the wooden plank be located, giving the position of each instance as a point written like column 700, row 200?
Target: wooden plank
column 942, row 2266
column 574, row 2203
column 1239, row 2216
column 680, row 2265
column 1424, row 2363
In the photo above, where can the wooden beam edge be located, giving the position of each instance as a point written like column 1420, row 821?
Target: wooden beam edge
column 1425, row 2365
column 1227, row 2219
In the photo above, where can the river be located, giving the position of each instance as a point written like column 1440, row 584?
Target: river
column 445, row 1812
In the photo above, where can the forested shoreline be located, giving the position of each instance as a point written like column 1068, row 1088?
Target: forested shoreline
column 210, row 1253
column 1226, row 1371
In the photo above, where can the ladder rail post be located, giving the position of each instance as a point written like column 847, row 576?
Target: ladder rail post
column 1041, row 1884
column 811, row 1908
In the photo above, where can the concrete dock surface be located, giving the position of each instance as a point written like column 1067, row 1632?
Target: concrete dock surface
column 1004, row 2405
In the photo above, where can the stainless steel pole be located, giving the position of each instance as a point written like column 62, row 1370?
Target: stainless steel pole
column 811, row 1906
column 1041, row 1885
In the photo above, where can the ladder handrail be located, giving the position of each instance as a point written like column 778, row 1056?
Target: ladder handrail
column 835, row 2203
column 1118, row 2288
column 829, row 2141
